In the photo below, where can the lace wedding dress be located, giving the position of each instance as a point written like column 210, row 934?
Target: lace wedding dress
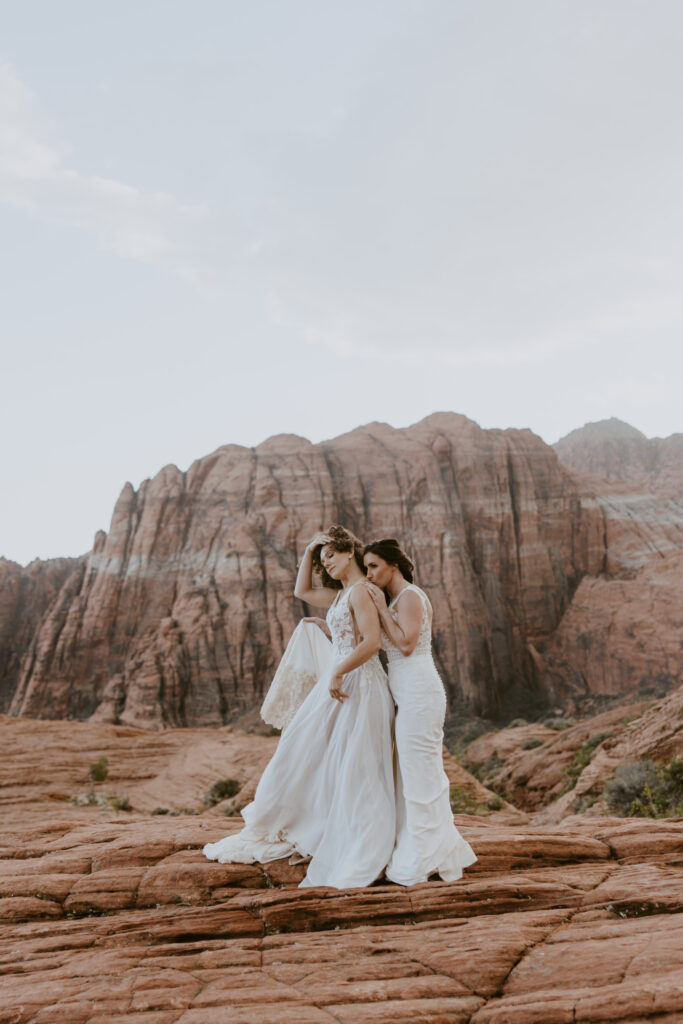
column 328, row 791
column 427, row 841
column 306, row 657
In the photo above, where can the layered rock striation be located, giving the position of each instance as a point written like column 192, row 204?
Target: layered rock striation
column 26, row 594
column 181, row 612
column 111, row 916
column 618, row 453
column 179, row 615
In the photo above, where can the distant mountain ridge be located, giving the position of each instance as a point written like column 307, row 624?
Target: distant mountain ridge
column 621, row 454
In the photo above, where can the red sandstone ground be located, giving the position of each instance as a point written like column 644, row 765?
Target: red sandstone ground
column 116, row 917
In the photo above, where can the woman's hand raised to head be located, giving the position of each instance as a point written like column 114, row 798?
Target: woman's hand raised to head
column 318, row 540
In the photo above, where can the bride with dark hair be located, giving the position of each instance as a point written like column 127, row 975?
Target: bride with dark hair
column 427, row 841
column 328, row 791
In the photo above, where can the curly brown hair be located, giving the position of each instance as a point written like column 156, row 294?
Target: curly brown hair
column 341, row 539
column 391, row 551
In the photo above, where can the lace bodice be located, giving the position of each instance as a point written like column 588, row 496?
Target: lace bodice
column 340, row 621
column 424, row 641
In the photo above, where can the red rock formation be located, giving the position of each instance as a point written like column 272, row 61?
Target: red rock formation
column 567, row 770
column 183, row 610
column 620, row 636
column 618, row 453
column 107, row 916
column 25, row 595
column 180, row 614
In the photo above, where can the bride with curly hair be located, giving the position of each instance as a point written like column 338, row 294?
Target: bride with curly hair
column 328, row 791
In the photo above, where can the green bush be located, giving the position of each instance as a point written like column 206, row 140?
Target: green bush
column 532, row 742
column 120, row 803
column 99, row 770
column 583, row 757
column 645, row 789
column 494, row 803
column 516, row 723
column 594, row 741
column 222, row 790
column 484, row 771
column 463, row 801
column 558, row 724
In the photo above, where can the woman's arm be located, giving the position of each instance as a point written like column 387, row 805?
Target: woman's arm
column 367, row 621
column 321, row 597
column 404, row 631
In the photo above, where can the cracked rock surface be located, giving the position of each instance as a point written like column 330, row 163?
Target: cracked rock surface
column 113, row 916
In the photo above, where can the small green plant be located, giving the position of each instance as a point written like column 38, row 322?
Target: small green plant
column 222, row 790
column 274, row 731
column 645, row 789
column 463, row 801
column 120, row 803
column 161, row 810
column 98, row 772
column 582, row 757
column 594, row 741
column 558, row 724
column 516, row 723
column 532, row 742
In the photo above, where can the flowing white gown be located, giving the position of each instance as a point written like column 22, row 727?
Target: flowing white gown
column 328, row 791
column 427, row 841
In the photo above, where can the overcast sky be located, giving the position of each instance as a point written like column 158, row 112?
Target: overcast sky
column 224, row 220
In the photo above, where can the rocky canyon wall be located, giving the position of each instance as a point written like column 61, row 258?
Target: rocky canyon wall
column 179, row 615
column 26, row 594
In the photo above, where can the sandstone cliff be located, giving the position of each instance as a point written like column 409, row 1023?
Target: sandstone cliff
column 179, row 615
column 620, row 454
column 181, row 612
column 26, row 593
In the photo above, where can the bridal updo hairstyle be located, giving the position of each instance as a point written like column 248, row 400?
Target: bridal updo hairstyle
column 341, row 539
column 391, row 551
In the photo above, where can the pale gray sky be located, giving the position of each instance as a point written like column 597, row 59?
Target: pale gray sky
column 222, row 221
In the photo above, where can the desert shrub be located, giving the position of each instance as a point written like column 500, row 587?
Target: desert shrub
column 532, row 742
column 120, row 803
column 463, row 801
column 516, row 723
column 274, row 731
column 558, row 723
column 645, row 789
column 222, row 790
column 494, row 803
column 99, row 770
column 594, row 741
column 583, row 757
column 461, row 729
column 161, row 810
column 490, row 767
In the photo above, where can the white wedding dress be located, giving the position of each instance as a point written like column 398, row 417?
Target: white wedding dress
column 427, row 841
column 328, row 791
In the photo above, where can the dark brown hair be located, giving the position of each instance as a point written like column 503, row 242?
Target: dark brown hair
column 391, row 551
column 341, row 539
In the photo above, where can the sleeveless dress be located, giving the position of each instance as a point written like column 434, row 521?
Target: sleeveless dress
column 427, row 841
column 328, row 791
